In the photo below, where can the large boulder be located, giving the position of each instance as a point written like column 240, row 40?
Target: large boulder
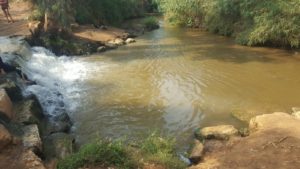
column 31, row 138
column 31, row 160
column 11, row 82
column 197, row 152
column 275, row 121
column 6, row 107
column 222, row 132
column 29, row 112
column 58, row 145
column 5, row 137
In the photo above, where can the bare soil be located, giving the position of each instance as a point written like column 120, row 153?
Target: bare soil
column 275, row 145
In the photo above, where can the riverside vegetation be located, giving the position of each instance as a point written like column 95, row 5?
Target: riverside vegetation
column 251, row 22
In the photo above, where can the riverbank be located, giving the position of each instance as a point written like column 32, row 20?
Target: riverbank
column 273, row 142
column 81, row 40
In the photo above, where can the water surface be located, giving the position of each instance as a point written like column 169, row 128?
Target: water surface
column 176, row 80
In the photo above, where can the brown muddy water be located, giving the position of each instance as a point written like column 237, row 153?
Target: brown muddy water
column 175, row 80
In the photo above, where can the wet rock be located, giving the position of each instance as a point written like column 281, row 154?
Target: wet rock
column 31, row 160
column 58, row 145
column 29, row 112
column 197, row 152
column 5, row 137
column 101, row 49
column 222, row 132
column 111, row 46
column 58, row 127
column 11, row 82
column 31, row 138
column 6, row 107
column 130, row 40
column 296, row 112
column 244, row 116
column 64, row 117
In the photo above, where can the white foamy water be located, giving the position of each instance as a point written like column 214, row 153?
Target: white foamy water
column 58, row 80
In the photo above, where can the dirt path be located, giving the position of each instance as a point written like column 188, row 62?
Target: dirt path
column 20, row 12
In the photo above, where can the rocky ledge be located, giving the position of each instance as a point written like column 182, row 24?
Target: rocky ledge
column 273, row 142
column 28, row 138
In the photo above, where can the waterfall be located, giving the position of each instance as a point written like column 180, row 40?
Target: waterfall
column 58, row 79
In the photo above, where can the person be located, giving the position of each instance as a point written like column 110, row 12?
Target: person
column 4, row 5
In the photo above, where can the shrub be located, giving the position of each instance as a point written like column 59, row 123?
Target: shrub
column 158, row 150
column 251, row 22
column 106, row 153
column 151, row 23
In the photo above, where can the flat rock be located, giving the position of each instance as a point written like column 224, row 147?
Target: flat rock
column 6, row 107
column 271, row 121
column 272, row 143
column 197, row 152
column 5, row 137
column 31, row 138
column 222, row 132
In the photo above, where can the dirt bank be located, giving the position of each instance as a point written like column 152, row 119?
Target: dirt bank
column 274, row 142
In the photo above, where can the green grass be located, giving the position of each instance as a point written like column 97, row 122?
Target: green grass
column 152, row 150
column 161, row 151
column 106, row 153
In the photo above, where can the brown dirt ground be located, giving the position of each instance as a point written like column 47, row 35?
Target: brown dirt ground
column 276, row 145
column 20, row 12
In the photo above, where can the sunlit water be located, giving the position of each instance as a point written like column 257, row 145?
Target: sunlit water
column 173, row 80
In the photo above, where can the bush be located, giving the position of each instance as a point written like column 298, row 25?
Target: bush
column 106, row 153
column 151, row 23
column 251, row 22
column 158, row 150
column 152, row 150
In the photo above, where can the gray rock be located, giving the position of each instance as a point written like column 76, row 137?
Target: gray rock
column 58, row 127
column 130, row 40
column 197, row 152
column 11, row 82
column 31, row 138
column 58, row 145
column 29, row 112
column 5, row 137
column 101, row 49
column 222, row 132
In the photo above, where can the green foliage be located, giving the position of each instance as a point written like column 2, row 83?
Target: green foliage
column 106, row 153
column 151, row 23
column 152, row 150
column 158, row 150
column 251, row 22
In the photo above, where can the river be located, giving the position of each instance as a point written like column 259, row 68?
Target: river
column 173, row 80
